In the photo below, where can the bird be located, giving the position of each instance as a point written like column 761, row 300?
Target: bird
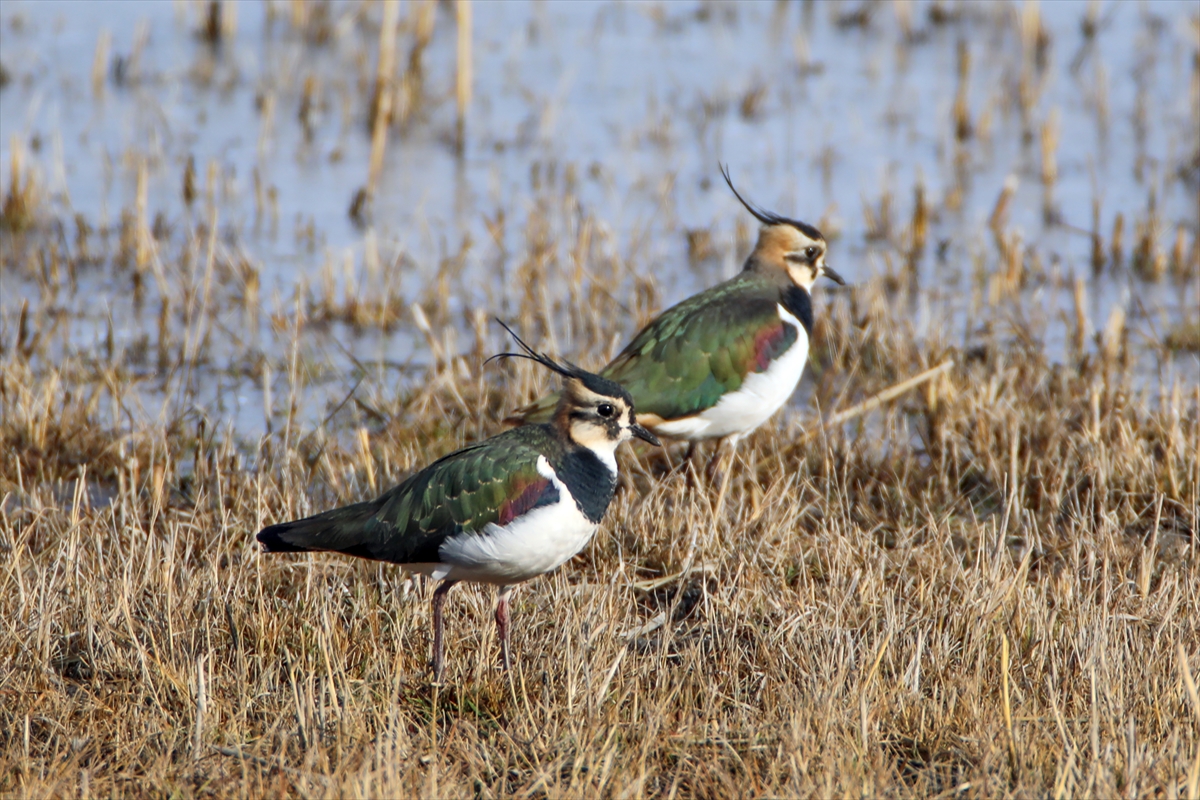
column 501, row 511
column 720, row 363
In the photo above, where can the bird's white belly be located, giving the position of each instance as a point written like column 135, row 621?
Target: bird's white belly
column 530, row 545
column 760, row 395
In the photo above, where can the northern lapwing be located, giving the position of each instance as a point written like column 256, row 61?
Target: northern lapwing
column 501, row 511
column 720, row 363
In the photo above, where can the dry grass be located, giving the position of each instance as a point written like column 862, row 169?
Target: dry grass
column 988, row 589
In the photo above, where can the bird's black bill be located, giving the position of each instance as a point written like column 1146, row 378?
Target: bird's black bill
column 644, row 434
column 833, row 276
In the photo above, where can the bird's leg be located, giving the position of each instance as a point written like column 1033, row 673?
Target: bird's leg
column 502, row 623
column 439, row 600
column 729, row 443
column 712, row 472
column 689, row 466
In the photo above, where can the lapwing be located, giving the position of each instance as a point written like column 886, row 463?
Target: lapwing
column 720, row 363
column 501, row 511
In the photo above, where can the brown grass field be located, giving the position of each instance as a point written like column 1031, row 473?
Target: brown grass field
column 987, row 589
column 987, row 586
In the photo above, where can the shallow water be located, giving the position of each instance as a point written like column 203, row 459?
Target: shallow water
column 628, row 109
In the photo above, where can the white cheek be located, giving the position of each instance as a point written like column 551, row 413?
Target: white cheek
column 606, row 451
column 801, row 275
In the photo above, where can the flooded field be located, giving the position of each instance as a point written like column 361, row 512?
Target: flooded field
column 250, row 257
column 194, row 176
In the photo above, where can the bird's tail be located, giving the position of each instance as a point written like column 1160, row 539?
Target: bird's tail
column 345, row 530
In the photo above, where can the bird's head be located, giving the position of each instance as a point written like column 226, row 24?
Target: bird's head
column 592, row 411
column 793, row 247
column 598, row 413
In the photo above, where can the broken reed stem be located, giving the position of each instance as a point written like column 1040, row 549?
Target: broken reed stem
column 17, row 206
column 462, row 84
column 1118, row 240
column 383, row 91
column 1179, row 265
column 364, row 448
column 1188, row 681
column 887, row 639
column 962, row 110
column 919, row 232
column 1013, row 254
column 1051, row 129
column 865, row 407
column 1097, row 239
column 201, row 709
column 194, row 338
column 1193, row 783
column 142, row 231
column 887, row 394
column 1008, row 722
column 999, row 215
column 100, row 61
column 1079, row 339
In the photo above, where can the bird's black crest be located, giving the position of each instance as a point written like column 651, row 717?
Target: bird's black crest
column 770, row 217
column 591, row 380
column 566, row 369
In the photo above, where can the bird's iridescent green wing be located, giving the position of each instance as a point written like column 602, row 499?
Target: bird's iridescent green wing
column 494, row 481
column 696, row 351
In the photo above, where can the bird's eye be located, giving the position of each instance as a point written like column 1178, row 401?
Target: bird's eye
column 812, row 253
column 605, row 410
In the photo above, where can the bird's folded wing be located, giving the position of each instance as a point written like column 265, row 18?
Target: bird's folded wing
column 684, row 361
column 494, row 481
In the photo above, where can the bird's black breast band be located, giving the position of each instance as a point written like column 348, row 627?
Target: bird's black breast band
column 589, row 480
column 799, row 303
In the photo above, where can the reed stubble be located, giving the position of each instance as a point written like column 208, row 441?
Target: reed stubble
column 983, row 586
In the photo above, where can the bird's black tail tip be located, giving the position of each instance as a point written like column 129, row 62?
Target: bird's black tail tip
column 273, row 539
